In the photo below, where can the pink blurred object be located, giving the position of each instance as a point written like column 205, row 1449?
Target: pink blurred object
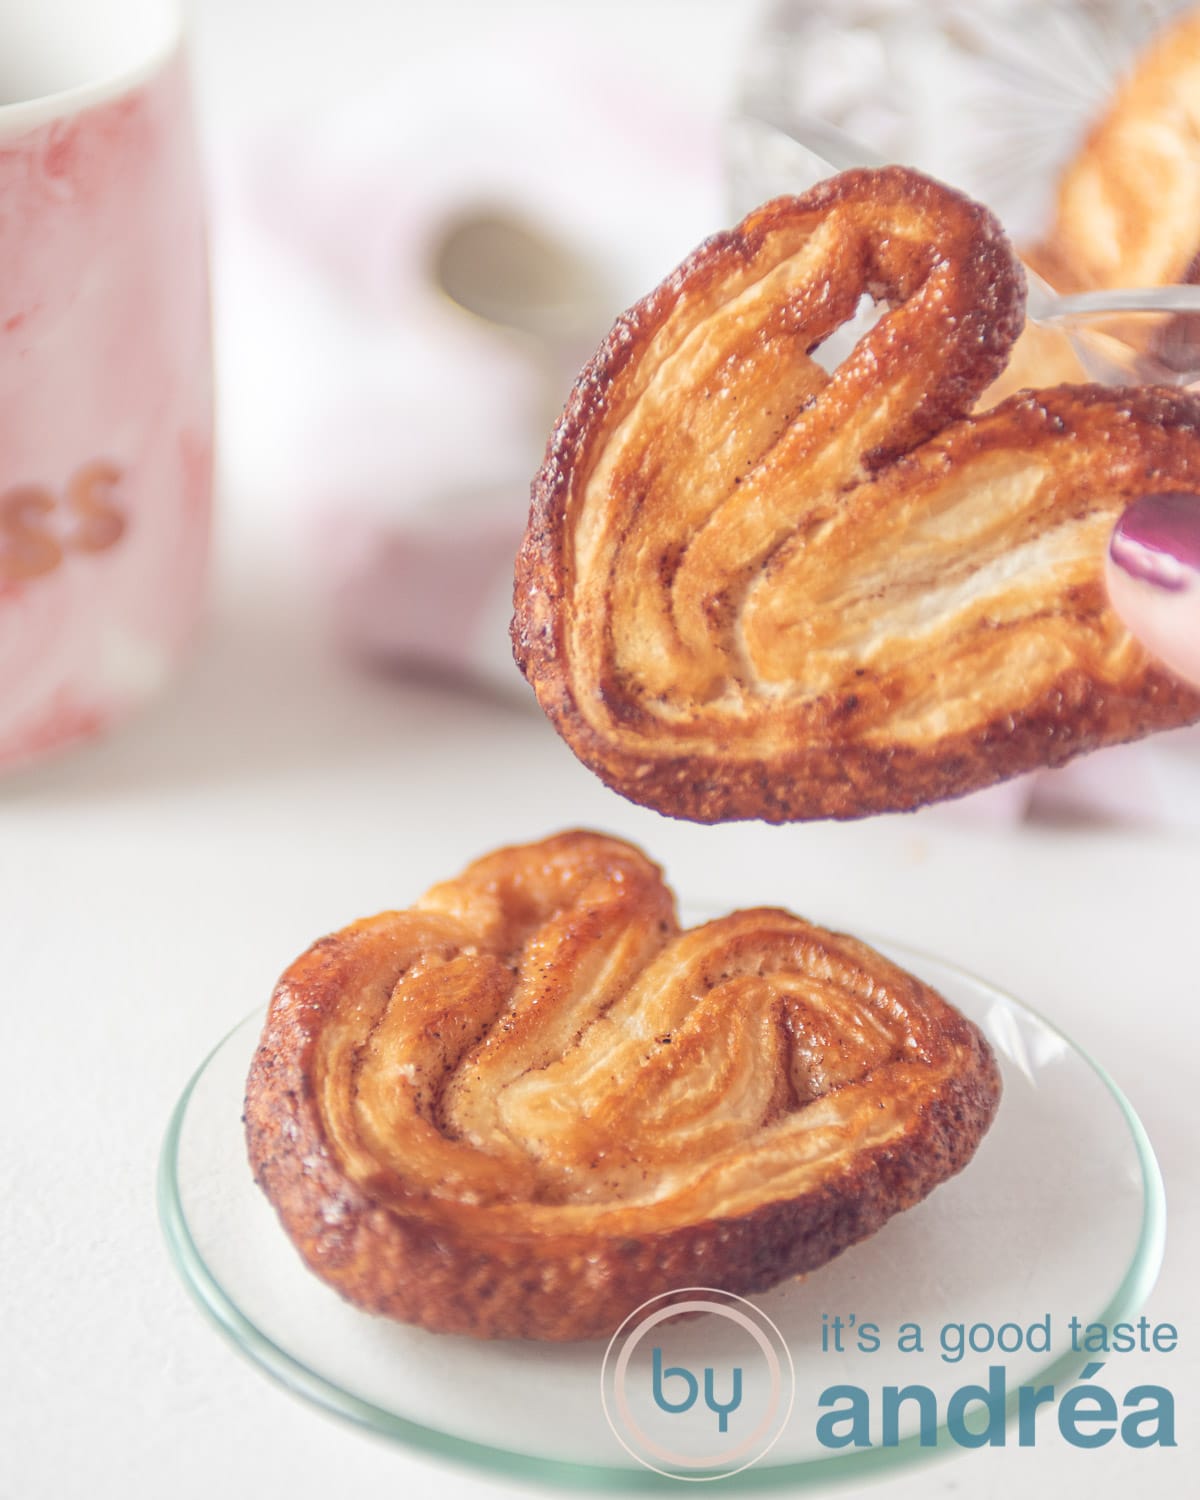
column 105, row 372
column 401, row 431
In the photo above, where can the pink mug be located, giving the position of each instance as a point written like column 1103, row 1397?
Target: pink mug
column 105, row 366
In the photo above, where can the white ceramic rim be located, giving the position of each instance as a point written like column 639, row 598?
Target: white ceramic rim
column 159, row 38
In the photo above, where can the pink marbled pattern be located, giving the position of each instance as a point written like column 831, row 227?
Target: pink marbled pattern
column 104, row 356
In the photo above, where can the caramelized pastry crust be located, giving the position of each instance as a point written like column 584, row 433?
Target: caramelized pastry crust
column 753, row 590
column 530, row 1102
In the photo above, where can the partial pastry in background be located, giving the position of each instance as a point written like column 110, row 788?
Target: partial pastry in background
column 1128, row 205
column 1127, row 209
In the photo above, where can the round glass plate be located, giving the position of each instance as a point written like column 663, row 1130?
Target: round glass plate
column 1061, row 1213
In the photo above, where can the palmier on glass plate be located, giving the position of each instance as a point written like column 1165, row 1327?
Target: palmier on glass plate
column 529, row 1102
column 751, row 588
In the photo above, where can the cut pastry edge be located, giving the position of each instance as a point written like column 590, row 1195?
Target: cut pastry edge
column 515, row 1270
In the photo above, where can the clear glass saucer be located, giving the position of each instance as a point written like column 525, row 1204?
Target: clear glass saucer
column 1060, row 1213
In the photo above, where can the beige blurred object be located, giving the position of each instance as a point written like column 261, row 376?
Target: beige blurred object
column 506, row 271
column 522, row 280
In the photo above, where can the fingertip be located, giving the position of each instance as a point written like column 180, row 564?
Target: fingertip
column 1153, row 576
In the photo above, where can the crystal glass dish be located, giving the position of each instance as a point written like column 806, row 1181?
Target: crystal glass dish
column 992, row 97
column 1060, row 1213
column 995, row 99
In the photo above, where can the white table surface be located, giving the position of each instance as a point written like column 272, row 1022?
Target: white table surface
column 153, row 886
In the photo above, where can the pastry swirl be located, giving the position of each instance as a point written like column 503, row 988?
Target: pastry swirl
column 750, row 589
column 529, row 1102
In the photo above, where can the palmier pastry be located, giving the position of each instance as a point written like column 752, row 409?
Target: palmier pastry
column 750, row 589
column 530, row 1102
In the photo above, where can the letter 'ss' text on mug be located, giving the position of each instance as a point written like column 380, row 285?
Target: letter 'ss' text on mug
column 39, row 529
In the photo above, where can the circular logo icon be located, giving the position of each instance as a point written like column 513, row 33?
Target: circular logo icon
column 697, row 1398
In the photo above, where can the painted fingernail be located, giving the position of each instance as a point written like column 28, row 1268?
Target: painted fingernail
column 1157, row 540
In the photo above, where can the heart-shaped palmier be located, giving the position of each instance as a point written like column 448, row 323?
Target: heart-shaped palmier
column 753, row 589
column 530, row 1102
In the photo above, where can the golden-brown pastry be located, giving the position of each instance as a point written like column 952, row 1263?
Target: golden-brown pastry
column 752, row 590
column 529, row 1102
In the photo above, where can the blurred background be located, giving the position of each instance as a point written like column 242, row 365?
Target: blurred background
column 424, row 218
column 349, row 727
column 380, row 432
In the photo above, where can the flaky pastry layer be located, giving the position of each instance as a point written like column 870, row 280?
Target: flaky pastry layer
column 750, row 589
column 530, row 1102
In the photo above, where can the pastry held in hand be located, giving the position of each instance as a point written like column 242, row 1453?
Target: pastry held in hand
column 530, row 1102
column 750, row 589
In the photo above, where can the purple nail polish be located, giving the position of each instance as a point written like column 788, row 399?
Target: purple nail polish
column 1157, row 540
